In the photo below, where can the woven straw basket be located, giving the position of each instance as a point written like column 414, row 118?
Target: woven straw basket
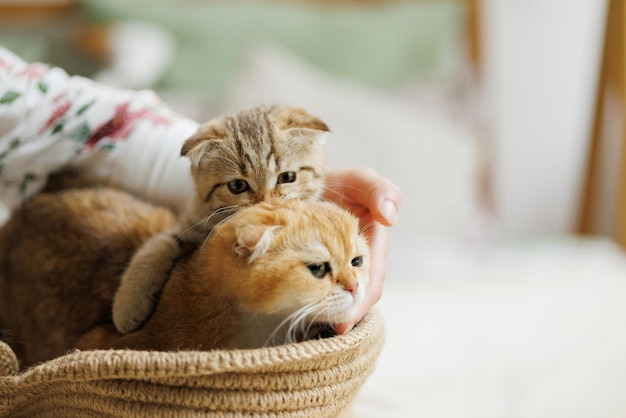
column 317, row 378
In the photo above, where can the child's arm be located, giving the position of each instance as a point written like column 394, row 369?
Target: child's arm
column 50, row 120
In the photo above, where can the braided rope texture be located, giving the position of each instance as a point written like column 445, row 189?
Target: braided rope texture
column 317, row 378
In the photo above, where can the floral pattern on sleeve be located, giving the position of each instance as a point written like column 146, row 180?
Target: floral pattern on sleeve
column 48, row 118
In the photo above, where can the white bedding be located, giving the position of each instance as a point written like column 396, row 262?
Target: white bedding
column 532, row 329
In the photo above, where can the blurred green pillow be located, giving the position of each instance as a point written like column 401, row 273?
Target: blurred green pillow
column 382, row 44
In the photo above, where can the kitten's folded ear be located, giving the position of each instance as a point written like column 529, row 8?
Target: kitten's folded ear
column 253, row 241
column 195, row 145
column 300, row 122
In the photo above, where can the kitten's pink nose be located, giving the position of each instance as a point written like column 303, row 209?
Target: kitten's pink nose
column 352, row 288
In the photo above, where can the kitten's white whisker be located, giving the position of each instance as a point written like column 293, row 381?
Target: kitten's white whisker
column 217, row 212
column 312, row 320
column 288, row 320
column 286, row 323
column 320, row 308
column 296, row 324
column 367, row 226
column 326, row 199
column 328, row 189
column 228, row 210
column 333, row 191
column 214, row 227
column 341, row 185
column 339, row 189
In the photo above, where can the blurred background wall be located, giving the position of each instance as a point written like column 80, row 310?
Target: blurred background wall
column 494, row 149
column 541, row 68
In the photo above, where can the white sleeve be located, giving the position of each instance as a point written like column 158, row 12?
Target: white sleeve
column 50, row 120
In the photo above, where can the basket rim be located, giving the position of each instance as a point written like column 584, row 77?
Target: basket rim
column 137, row 364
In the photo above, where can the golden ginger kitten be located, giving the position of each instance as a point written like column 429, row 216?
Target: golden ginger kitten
column 269, row 274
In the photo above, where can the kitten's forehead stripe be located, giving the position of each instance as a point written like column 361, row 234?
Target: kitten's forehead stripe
column 213, row 189
column 255, row 141
column 231, row 125
column 272, row 151
column 273, row 155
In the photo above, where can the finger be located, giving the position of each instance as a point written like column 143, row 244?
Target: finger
column 366, row 188
column 378, row 240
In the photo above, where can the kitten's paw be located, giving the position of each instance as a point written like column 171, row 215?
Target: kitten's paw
column 131, row 310
column 143, row 281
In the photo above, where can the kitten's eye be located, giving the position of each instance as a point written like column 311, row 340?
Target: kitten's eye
column 357, row 261
column 238, row 186
column 287, row 177
column 319, row 271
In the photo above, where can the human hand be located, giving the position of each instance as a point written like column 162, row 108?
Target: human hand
column 375, row 200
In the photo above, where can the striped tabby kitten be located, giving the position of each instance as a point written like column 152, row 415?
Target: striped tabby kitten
column 236, row 160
